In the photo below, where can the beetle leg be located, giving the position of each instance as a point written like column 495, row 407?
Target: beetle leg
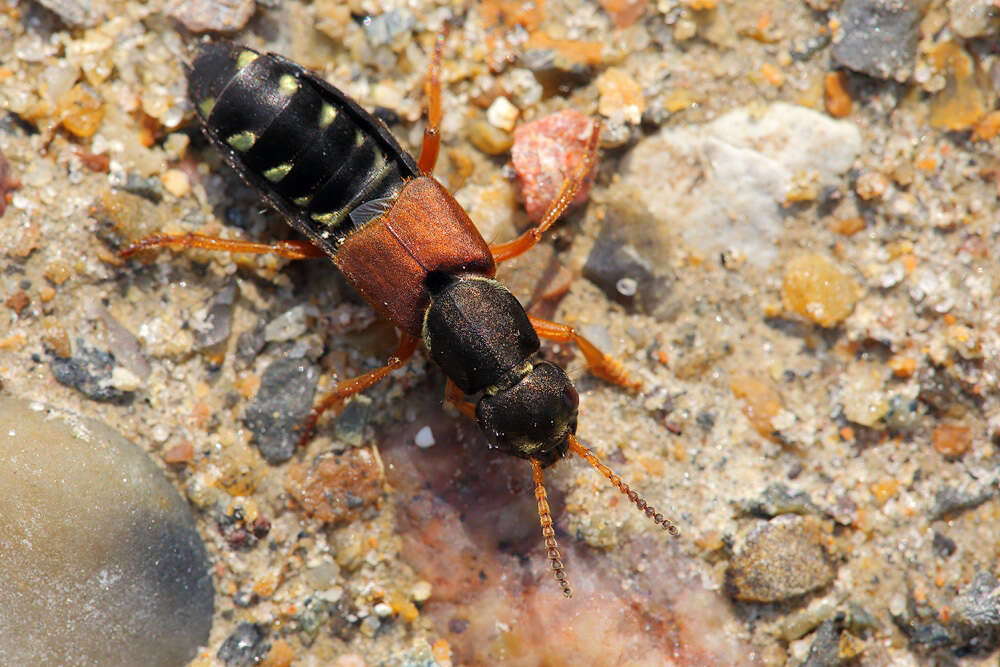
column 287, row 249
column 347, row 388
column 603, row 366
column 432, row 132
column 454, row 395
column 567, row 192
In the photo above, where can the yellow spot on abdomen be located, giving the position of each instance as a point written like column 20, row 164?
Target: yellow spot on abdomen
column 245, row 58
column 242, row 141
column 302, row 201
column 206, row 106
column 275, row 174
column 288, row 85
column 322, row 218
column 326, row 116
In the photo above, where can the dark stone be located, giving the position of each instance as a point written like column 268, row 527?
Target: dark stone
column 353, row 419
column 249, row 344
column 943, row 545
column 147, row 188
column 625, row 275
column 246, row 647
column 825, row 646
column 89, row 372
column 949, row 501
column 778, row 499
column 977, row 615
column 281, row 405
column 214, row 330
column 879, row 37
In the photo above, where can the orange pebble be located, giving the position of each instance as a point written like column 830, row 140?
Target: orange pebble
column 835, row 95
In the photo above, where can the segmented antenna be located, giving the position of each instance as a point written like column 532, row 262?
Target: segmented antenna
column 551, row 547
column 591, row 458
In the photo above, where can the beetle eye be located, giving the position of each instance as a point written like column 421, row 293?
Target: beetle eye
column 571, row 398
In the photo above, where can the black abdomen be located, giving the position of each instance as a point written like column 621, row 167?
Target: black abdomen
column 311, row 151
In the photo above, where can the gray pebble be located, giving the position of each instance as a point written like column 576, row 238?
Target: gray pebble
column 825, row 646
column 977, row 614
column 624, row 273
column 214, row 330
column 77, row 13
column 281, row 405
column 383, row 29
column 102, row 563
column 89, row 372
column 950, row 500
column 353, row 419
column 879, row 37
column 245, row 647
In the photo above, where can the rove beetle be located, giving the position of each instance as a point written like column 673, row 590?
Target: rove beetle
column 339, row 177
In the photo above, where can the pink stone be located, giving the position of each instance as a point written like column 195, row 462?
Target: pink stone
column 545, row 153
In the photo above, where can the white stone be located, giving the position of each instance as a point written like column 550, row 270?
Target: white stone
column 722, row 185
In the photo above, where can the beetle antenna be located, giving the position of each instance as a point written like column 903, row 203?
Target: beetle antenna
column 649, row 510
column 545, row 517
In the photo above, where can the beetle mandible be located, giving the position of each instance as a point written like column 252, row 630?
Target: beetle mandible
column 339, row 177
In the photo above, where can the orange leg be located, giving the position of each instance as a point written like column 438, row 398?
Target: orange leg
column 288, row 249
column 347, row 388
column 600, row 364
column 567, row 191
column 454, row 395
column 432, row 133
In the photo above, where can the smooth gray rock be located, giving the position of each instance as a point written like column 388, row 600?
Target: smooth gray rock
column 100, row 561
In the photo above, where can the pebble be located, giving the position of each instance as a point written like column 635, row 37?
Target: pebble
column 502, row 114
column 78, row 13
column 974, row 18
column 778, row 499
column 245, row 647
column 825, row 645
column 726, row 183
column 878, row 37
column 950, row 500
column 977, row 614
column 835, row 95
column 424, row 438
column 620, row 96
column 546, row 152
column 90, row 371
column 281, row 405
column 780, row 559
column 291, row 324
column 421, row 591
column 961, row 103
column 383, row 29
column 624, row 264
column 214, row 329
column 351, row 423
column 336, row 488
column 213, row 15
column 488, row 138
column 817, row 290
column 176, row 182
column 952, row 440
column 102, row 563
column 80, row 110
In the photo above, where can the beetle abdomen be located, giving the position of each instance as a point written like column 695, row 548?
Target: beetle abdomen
column 310, row 150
